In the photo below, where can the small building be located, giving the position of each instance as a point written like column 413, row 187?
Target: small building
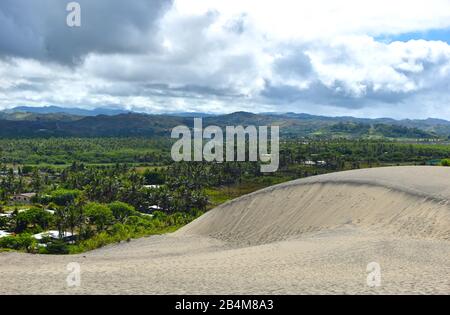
column 313, row 163
column 155, row 208
column 151, row 186
column 54, row 235
column 23, row 198
column 4, row 234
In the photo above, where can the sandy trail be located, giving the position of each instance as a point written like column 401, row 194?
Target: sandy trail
column 315, row 235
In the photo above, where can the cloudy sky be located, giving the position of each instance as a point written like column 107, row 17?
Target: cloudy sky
column 379, row 58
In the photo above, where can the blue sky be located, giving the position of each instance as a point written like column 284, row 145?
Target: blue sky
column 428, row 35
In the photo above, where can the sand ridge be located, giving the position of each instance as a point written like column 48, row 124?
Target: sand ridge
column 400, row 200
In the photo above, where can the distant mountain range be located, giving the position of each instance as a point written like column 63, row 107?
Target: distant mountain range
column 65, row 110
column 59, row 121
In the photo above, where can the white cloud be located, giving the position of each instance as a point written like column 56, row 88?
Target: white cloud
column 285, row 19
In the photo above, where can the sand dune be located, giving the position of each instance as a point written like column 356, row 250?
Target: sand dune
column 411, row 201
column 314, row 235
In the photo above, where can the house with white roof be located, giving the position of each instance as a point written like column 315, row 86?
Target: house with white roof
column 151, row 186
column 54, row 235
column 4, row 234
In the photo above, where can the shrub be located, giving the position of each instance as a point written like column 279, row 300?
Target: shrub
column 445, row 162
column 37, row 218
column 97, row 241
column 179, row 218
column 135, row 222
column 4, row 223
column 120, row 232
column 99, row 215
column 154, row 177
column 9, row 242
column 159, row 215
column 121, row 210
column 26, row 242
column 27, row 169
column 63, row 197
column 57, row 247
column 19, row 242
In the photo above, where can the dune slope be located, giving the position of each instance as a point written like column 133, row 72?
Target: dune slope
column 412, row 201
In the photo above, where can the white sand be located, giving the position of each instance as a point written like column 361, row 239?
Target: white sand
column 315, row 235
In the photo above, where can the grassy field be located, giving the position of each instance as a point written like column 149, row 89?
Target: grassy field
column 219, row 195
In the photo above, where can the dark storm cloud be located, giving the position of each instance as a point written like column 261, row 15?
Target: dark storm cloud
column 38, row 29
column 153, row 90
column 294, row 63
column 318, row 93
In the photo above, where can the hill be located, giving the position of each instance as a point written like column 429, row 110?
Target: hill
column 66, row 110
column 26, row 124
column 28, row 116
column 373, row 131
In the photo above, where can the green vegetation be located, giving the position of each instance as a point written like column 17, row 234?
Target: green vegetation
column 374, row 131
column 89, row 201
column 91, row 206
column 20, row 242
column 65, row 151
column 33, row 220
column 347, row 154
